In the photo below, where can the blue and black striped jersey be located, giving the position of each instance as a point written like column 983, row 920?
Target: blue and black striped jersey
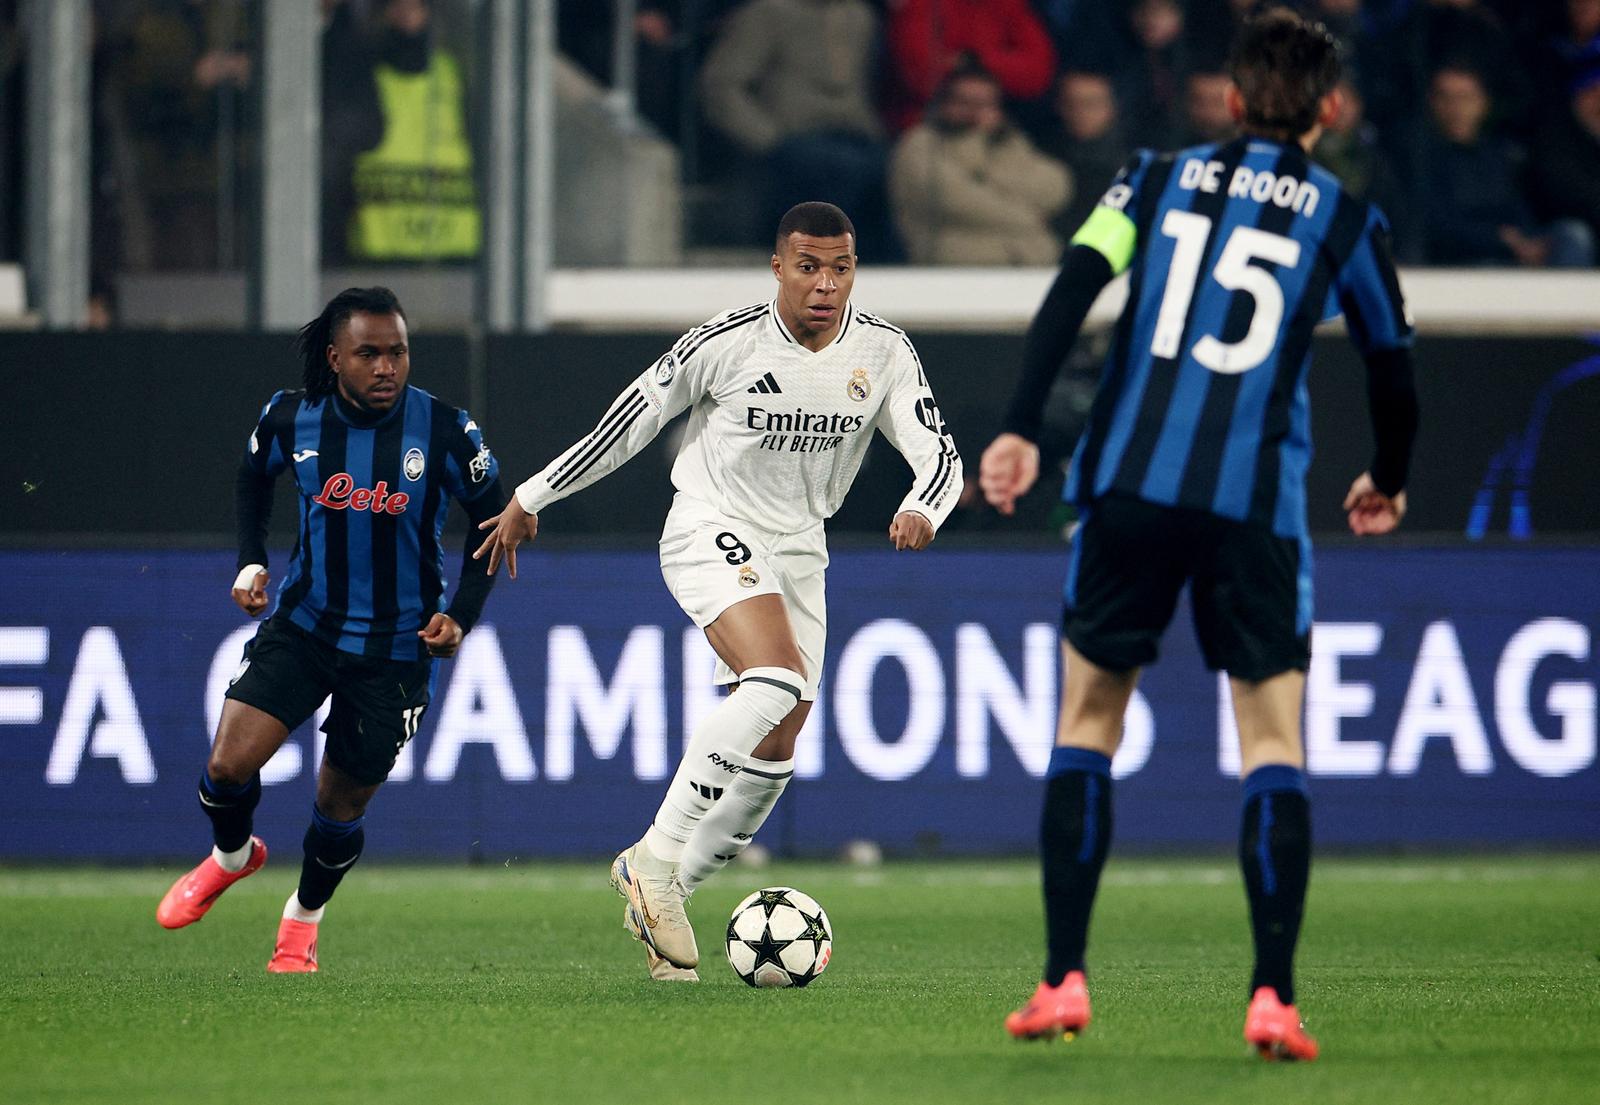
column 368, row 563
column 1235, row 252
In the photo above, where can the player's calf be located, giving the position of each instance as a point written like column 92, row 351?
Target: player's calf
column 230, row 806
column 1275, row 857
column 734, row 820
column 331, row 849
column 719, row 751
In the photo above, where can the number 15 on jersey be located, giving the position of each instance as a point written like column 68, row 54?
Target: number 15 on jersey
column 1236, row 271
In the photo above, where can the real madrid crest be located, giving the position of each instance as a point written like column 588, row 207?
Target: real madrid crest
column 859, row 386
column 415, row 464
column 748, row 576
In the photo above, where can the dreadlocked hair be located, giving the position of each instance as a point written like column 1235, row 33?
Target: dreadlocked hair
column 318, row 334
column 1283, row 65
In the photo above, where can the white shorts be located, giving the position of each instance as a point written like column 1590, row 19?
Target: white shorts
column 711, row 561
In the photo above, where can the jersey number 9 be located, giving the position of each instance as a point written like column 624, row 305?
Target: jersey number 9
column 738, row 552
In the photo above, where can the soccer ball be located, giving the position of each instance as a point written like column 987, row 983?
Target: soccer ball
column 779, row 937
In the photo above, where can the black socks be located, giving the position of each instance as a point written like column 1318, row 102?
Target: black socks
column 231, row 809
column 332, row 848
column 1275, row 853
column 1074, row 836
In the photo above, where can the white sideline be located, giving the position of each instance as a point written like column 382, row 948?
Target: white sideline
column 1444, row 301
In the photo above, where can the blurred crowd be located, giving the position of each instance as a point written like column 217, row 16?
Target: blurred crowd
column 975, row 132
column 981, row 131
column 175, row 134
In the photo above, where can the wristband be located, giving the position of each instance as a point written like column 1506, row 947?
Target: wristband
column 246, row 579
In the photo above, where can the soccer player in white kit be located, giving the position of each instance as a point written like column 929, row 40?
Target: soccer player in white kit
column 783, row 398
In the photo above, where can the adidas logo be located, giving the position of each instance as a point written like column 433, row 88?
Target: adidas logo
column 767, row 385
column 713, row 793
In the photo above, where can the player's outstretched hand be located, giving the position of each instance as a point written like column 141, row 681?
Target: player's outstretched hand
column 511, row 527
column 250, row 590
column 910, row 530
column 442, row 635
column 1370, row 511
column 1008, row 469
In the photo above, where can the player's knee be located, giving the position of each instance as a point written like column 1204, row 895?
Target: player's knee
column 777, row 745
column 229, row 769
column 789, row 660
column 772, row 692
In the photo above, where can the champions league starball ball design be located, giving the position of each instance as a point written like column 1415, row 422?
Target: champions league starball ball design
column 779, row 937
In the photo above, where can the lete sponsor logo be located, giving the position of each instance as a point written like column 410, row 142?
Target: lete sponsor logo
column 341, row 493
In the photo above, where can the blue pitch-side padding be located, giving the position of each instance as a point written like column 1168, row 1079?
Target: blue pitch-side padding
column 1453, row 700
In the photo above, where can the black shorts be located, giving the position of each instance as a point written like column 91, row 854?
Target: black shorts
column 1249, row 588
column 377, row 702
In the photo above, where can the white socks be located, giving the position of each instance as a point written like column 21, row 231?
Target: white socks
column 294, row 911
column 718, row 752
column 232, row 862
column 699, row 781
column 724, row 832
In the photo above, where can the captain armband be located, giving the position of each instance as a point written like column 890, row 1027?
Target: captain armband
column 1111, row 234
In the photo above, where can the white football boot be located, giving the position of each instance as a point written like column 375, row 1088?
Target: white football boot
column 656, row 898
column 660, row 969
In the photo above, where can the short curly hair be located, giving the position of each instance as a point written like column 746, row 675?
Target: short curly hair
column 823, row 220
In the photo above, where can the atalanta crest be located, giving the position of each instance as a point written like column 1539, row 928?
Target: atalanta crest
column 415, row 464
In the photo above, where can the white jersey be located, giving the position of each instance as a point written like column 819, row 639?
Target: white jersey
column 776, row 432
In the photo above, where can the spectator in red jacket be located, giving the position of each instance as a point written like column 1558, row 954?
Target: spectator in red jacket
column 927, row 38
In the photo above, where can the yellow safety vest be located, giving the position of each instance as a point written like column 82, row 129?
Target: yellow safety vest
column 415, row 198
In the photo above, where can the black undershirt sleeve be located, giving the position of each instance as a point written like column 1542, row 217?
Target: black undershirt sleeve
column 252, row 499
column 472, row 589
column 1055, row 327
column 1392, row 398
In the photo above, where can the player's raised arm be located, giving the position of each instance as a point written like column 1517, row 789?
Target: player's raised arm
column 1102, row 249
column 1369, row 294
column 654, row 398
column 910, row 419
column 265, row 455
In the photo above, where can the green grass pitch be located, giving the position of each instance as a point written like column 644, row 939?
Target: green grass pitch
column 1459, row 980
